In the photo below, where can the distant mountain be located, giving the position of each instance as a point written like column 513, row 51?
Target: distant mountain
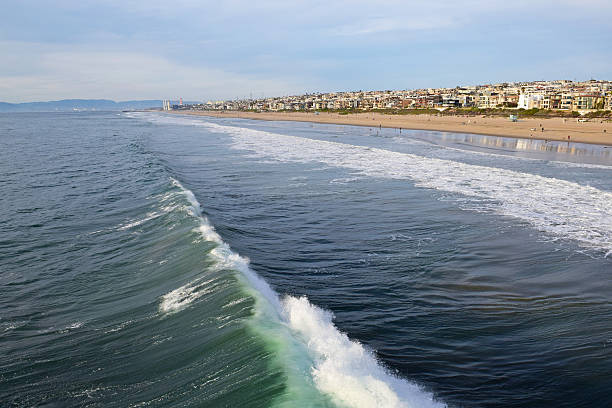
column 78, row 104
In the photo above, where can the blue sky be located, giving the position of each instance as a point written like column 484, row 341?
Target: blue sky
column 203, row 50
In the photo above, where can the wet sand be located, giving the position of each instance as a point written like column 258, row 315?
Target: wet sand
column 596, row 131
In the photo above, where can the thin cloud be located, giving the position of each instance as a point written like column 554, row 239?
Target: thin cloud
column 384, row 25
column 125, row 75
column 201, row 48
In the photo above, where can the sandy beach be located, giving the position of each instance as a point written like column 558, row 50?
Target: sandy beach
column 596, row 131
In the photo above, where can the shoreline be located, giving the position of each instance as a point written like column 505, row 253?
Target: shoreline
column 554, row 129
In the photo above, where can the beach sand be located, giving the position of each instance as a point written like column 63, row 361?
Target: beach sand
column 545, row 129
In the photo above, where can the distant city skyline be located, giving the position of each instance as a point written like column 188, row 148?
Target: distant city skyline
column 125, row 50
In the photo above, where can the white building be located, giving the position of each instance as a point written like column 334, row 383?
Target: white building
column 529, row 101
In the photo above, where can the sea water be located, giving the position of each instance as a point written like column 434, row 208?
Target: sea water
column 164, row 260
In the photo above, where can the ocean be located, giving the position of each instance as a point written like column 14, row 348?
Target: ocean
column 149, row 259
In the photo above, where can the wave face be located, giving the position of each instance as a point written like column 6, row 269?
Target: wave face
column 340, row 367
column 111, row 296
column 563, row 209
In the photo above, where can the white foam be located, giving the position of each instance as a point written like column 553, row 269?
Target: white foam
column 148, row 217
column 182, row 297
column 343, row 368
column 340, row 367
column 8, row 326
column 73, row 326
column 135, row 223
column 558, row 207
column 563, row 164
column 183, row 120
column 235, row 302
column 119, row 327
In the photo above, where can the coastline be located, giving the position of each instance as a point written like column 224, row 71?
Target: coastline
column 554, row 129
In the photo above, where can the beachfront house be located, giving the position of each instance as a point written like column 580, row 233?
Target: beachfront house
column 585, row 101
column 529, row 101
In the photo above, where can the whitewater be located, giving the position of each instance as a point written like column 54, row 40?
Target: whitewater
column 338, row 366
column 562, row 209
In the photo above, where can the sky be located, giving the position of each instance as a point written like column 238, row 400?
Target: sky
column 212, row 50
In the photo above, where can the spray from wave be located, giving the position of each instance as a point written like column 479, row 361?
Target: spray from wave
column 314, row 351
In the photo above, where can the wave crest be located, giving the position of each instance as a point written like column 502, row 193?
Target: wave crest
column 343, row 368
column 340, row 368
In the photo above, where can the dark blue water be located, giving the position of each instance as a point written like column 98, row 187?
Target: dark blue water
column 461, row 270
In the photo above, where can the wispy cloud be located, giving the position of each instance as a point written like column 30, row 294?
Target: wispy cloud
column 204, row 48
column 61, row 73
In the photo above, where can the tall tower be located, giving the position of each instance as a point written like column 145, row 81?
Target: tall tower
column 181, row 101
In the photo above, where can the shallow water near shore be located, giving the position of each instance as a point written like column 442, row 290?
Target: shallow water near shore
column 162, row 260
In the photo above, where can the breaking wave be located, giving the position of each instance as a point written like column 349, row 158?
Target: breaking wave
column 340, row 368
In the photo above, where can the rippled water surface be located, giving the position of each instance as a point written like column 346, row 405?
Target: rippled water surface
column 167, row 260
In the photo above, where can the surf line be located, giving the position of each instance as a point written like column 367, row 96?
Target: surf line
column 557, row 207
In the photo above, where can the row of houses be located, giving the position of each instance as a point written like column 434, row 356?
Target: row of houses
column 566, row 101
column 558, row 95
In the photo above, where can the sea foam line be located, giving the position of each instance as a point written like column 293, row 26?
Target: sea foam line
column 340, row 367
column 557, row 207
